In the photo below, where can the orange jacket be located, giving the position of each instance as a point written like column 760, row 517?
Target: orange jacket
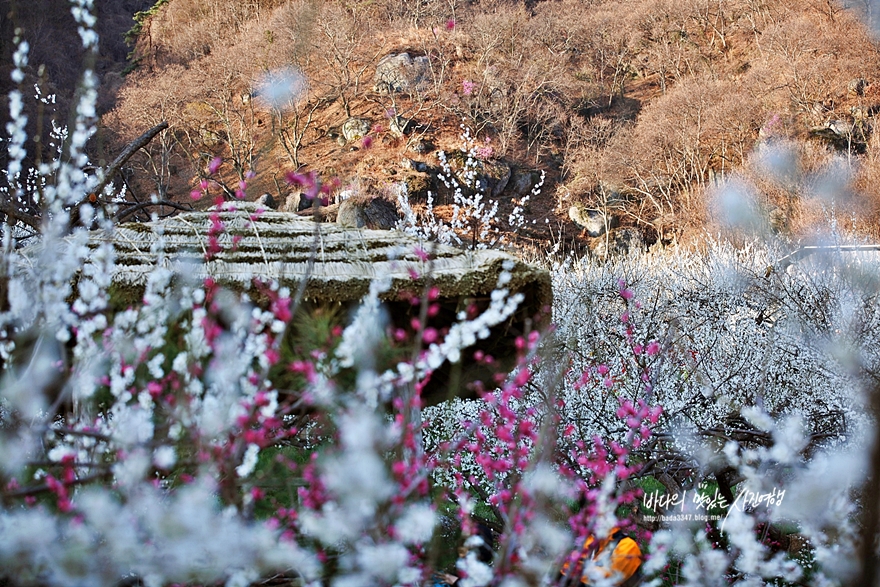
column 623, row 563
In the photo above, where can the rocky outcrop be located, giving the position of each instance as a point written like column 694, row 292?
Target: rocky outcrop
column 401, row 126
column 522, row 182
column 399, row 72
column 856, row 86
column 293, row 202
column 355, row 129
column 487, row 176
column 419, row 185
column 365, row 211
column 494, row 176
column 622, row 241
column 266, row 201
column 420, row 145
column 843, row 135
column 414, row 165
column 594, row 221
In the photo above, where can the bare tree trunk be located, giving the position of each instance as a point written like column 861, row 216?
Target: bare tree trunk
column 871, row 494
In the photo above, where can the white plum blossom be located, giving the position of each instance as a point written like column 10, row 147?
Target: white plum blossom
column 164, row 457
column 475, row 573
column 385, row 562
column 249, row 461
column 417, row 523
column 282, row 88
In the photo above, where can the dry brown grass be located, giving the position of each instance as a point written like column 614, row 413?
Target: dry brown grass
column 659, row 98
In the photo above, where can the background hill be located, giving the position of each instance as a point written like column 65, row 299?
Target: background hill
column 635, row 108
column 50, row 30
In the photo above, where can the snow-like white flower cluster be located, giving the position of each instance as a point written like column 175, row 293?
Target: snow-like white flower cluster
column 141, row 430
column 475, row 222
column 732, row 331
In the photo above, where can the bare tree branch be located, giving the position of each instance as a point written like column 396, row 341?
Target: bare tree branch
column 123, row 214
column 27, row 491
column 126, row 154
column 19, row 216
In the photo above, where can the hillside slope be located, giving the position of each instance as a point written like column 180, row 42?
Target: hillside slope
column 635, row 108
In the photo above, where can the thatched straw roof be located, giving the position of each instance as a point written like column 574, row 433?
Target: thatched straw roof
column 268, row 245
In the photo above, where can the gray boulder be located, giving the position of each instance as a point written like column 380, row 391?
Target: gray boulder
column 856, row 87
column 522, row 181
column 414, row 165
column 495, row 176
column 421, row 146
column 593, row 220
column 294, row 202
column 399, row 72
column 211, row 138
column 840, row 128
column 374, row 213
column 355, row 129
column 400, row 126
column 267, row 202
column 861, row 113
column 490, row 176
column 623, row 241
column 841, row 135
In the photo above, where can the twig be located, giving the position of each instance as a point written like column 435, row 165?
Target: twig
column 27, row 491
column 122, row 214
column 19, row 216
column 74, row 432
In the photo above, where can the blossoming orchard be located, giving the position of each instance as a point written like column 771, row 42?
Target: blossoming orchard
column 717, row 406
